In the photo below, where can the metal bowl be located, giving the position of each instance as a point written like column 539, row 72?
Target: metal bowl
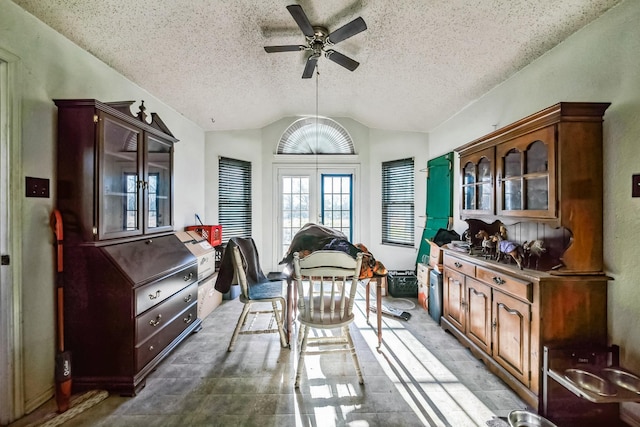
column 623, row 379
column 590, row 382
column 520, row 418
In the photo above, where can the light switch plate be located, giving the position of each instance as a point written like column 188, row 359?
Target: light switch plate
column 635, row 190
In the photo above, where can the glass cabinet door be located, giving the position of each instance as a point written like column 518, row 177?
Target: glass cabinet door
column 158, row 185
column 119, row 201
column 477, row 183
column 526, row 175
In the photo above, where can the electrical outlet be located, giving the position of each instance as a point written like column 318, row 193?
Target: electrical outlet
column 635, row 190
column 36, row 187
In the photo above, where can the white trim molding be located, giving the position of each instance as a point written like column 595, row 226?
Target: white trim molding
column 11, row 357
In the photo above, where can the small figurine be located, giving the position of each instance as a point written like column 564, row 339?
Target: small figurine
column 533, row 248
column 488, row 244
column 507, row 247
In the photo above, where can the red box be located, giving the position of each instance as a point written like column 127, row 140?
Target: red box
column 212, row 233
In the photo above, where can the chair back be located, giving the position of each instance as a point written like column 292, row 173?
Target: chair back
column 239, row 274
column 247, row 271
column 327, row 282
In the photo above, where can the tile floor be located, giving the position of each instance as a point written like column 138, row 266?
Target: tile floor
column 421, row 376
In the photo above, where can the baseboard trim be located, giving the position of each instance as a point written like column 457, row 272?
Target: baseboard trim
column 629, row 416
column 33, row 404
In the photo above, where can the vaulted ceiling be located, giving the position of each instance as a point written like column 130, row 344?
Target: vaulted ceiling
column 421, row 61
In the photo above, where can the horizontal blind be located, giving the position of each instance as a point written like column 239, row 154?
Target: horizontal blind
column 234, row 197
column 398, row 202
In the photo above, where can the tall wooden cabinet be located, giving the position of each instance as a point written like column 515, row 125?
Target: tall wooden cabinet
column 130, row 284
column 540, row 177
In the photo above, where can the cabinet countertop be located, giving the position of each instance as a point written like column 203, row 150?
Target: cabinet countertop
column 513, row 270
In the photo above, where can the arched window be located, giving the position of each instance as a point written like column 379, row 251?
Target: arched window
column 315, row 135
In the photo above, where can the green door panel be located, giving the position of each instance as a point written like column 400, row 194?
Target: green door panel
column 439, row 201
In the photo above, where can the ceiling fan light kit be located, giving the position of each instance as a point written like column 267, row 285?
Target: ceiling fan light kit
column 319, row 41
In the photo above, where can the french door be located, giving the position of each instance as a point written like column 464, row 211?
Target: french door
column 322, row 196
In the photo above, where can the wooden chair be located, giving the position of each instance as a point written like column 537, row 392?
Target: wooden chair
column 326, row 282
column 251, row 293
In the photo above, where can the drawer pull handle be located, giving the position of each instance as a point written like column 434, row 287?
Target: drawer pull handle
column 188, row 298
column 188, row 277
column 157, row 295
column 155, row 322
column 498, row 280
column 189, row 318
column 150, row 348
column 457, row 264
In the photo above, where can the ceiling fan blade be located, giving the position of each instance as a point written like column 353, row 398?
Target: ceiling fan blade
column 341, row 59
column 301, row 19
column 286, row 48
column 310, row 66
column 348, row 30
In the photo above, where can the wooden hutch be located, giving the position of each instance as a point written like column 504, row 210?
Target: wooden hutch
column 541, row 178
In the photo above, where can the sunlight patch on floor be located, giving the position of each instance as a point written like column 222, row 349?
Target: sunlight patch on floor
column 434, row 393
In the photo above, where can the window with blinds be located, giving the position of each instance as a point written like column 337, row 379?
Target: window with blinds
column 234, row 197
column 397, row 202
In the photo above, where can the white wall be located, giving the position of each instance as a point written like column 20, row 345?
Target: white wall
column 599, row 63
column 385, row 146
column 53, row 67
column 372, row 148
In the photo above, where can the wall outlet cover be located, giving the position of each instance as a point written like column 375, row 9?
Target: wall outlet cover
column 36, row 187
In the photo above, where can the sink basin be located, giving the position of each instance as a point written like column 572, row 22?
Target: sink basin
column 623, row 379
column 591, row 382
column 520, row 418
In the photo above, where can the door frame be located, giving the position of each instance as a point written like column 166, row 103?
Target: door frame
column 11, row 189
column 315, row 165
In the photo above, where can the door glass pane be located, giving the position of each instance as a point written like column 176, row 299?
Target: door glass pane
column 337, row 203
column 512, row 195
column 537, row 158
column 120, row 202
column 537, row 194
column 158, row 184
column 295, row 207
column 512, row 162
column 484, row 170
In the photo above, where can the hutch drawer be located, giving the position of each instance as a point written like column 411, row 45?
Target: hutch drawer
column 460, row 265
column 150, row 348
column 154, row 293
column 154, row 319
column 505, row 283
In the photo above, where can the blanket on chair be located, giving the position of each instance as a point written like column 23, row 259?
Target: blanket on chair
column 250, row 258
column 313, row 237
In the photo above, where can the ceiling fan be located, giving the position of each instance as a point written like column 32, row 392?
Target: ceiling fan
column 319, row 40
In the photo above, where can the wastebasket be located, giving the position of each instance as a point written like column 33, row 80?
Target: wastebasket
column 435, row 295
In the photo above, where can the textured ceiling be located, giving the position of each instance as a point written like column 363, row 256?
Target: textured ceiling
column 421, row 61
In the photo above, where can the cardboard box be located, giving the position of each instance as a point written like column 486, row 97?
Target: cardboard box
column 208, row 297
column 423, row 285
column 435, row 255
column 203, row 251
